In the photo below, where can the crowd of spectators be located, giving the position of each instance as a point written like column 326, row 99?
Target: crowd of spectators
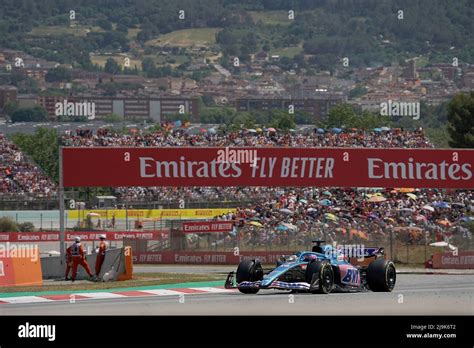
column 19, row 176
column 352, row 215
column 349, row 138
column 274, row 216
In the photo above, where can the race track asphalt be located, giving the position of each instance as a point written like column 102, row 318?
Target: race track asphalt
column 414, row 294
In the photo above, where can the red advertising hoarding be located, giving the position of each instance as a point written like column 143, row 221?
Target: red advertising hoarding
column 206, row 257
column 207, row 226
column 317, row 167
column 450, row 260
column 32, row 237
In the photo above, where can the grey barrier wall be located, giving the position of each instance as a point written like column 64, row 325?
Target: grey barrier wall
column 114, row 259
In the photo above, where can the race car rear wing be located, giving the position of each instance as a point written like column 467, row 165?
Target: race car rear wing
column 367, row 254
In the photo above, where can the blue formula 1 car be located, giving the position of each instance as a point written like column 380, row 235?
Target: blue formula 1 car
column 318, row 271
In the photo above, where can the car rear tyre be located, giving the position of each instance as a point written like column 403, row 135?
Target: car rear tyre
column 325, row 276
column 249, row 271
column 381, row 276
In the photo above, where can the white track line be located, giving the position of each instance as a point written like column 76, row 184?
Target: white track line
column 214, row 290
column 25, row 299
column 163, row 292
column 99, row 295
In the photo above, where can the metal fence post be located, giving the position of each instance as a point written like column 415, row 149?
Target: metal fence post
column 126, row 218
column 62, row 250
column 426, row 241
column 407, row 250
column 391, row 243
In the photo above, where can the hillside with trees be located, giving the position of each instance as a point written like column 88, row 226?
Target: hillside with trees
column 322, row 33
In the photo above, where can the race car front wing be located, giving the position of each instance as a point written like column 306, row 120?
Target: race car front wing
column 229, row 284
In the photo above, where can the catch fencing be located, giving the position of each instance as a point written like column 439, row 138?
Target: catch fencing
column 403, row 244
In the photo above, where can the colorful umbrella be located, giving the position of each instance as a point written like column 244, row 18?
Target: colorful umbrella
column 93, row 214
column 289, row 226
column 256, row 223
column 466, row 219
column 412, row 196
column 428, row 208
column 442, row 205
column 357, row 233
column 377, row 199
column 445, row 223
column 443, row 245
column 330, row 216
column 325, row 202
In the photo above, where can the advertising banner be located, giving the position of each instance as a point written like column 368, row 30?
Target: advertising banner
column 317, row 167
column 207, row 226
column 164, row 214
column 31, row 237
column 206, row 257
column 449, row 260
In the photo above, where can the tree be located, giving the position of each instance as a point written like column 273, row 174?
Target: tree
column 282, row 120
column 7, row 224
column 26, row 227
column 34, row 114
column 104, row 24
column 148, row 66
column 207, row 100
column 341, row 115
column 10, row 107
column 368, row 120
column 461, row 120
column 58, row 74
column 112, row 67
column 357, row 91
column 113, row 118
column 43, row 147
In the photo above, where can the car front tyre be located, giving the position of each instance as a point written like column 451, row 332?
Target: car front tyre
column 325, row 276
column 249, row 271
